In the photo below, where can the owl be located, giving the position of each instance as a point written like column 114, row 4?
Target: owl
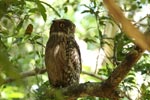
column 62, row 54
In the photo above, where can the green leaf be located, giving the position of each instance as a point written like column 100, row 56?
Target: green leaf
column 66, row 9
column 56, row 12
column 143, row 1
column 5, row 65
column 33, row 10
column 89, row 40
column 19, row 26
column 85, row 11
column 41, row 9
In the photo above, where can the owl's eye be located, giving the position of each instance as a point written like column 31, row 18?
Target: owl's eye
column 62, row 25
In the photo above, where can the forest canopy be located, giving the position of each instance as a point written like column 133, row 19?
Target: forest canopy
column 110, row 37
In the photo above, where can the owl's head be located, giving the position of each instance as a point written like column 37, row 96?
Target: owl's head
column 62, row 25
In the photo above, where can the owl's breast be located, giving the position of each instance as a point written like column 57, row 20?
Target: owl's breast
column 56, row 53
column 55, row 60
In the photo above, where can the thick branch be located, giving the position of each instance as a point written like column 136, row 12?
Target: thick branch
column 122, row 70
column 107, row 88
column 88, row 89
column 130, row 30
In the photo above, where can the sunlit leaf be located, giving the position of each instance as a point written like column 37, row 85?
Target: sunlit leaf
column 56, row 12
column 33, row 10
column 12, row 92
column 19, row 26
column 6, row 66
column 42, row 9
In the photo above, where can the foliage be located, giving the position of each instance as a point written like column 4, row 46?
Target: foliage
column 21, row 52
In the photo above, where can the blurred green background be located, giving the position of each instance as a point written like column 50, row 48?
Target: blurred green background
column 103, row 45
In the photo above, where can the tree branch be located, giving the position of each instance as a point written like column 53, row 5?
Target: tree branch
column 130, row 30
column 37, row 71
column 107, row 88
column 26, row 74
column 122, row 70
column 92, row 75
column 88, row 89
column 104, row 90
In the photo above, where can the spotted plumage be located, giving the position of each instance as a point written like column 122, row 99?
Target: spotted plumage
column 62, row 54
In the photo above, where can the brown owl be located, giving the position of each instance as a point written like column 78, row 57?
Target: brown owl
column 62, row 55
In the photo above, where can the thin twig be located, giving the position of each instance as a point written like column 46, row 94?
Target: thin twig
column 93, row 75
column 37, row 71
column 34, row 72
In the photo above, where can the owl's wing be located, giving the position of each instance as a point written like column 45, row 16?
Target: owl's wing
column 74, row 53
column 79, row 53
column 72, row 68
